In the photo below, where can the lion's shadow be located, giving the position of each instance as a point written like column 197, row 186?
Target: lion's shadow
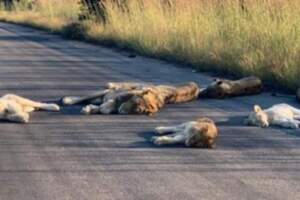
column 237, row 120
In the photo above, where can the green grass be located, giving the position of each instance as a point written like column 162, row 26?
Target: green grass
column 263, row 39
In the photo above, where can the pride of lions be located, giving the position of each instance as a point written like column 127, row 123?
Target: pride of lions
column 142, row 98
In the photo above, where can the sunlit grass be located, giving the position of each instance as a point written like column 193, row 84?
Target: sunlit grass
column 48, row 14
column 262, row 39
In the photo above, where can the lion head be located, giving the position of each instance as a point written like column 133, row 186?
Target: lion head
column 146, row 102
column 203, row 134
column 218, row 89
column 257, row 118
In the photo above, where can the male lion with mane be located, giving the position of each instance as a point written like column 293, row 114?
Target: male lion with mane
column 134, row 98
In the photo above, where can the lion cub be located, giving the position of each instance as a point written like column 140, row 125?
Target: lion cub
column 201, row 133
column 282, row 115
column 16, row 109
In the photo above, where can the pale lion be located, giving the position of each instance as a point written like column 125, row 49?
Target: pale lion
column 201, row 133
column 282, row 115
column 16, row 109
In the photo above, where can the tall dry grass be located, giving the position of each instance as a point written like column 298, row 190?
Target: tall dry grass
column 47, row 14
column 262, row 37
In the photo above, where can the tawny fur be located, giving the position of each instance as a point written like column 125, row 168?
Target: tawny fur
column 155, row 97
column 16, row 109
column 222, row 88
column 134, row 98
column 111, row 102
column 282, row 115
column 201, row 133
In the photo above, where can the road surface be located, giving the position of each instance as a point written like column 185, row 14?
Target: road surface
column 70, row 156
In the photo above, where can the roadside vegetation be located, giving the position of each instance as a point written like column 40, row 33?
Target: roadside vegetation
column 239, row 37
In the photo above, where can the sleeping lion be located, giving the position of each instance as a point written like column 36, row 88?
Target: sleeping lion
column 201, row 133
column 134, row 98
column 16, row 109
column 282, row 115
column 223, row 88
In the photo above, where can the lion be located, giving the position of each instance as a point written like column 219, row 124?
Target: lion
column 222, row 88
column 201, row 133
column 154, row 98
column 16, row 109
column 111, row 102
column 134, row 98
column 148, row 102
column 282, row 115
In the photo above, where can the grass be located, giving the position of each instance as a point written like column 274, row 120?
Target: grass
column 262, row 39
column 50, row 15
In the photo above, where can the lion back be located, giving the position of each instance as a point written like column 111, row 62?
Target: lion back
column 247, row 86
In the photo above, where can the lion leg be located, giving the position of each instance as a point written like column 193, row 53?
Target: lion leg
column 170, row 129
column 90, row 109
column 297, row 121
column 287, row 123
column 297, row 117
column 30, row 105
column 28, row 109
column 168, row 139
column 72, row 100
column 295, row 111
column 108, row 107
column 21, row 117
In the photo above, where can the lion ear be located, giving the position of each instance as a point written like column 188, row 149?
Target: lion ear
column 146, row 90
column 257, row 108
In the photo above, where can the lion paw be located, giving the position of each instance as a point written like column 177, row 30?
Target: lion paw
column 53, row 107
column 86, row 110
column 294, row 126
column 68, row 100
column 156, row 140
column 159, row 130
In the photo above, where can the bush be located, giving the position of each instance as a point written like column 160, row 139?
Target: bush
column 74, row 30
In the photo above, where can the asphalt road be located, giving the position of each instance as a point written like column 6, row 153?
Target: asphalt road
column 70, row 156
